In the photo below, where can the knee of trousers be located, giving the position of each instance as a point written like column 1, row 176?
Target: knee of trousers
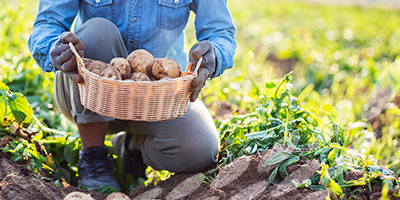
column 189, row 153
column 102, row 38
column 96, row 25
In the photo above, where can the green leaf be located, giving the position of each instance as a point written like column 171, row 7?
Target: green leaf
column 334, row 145
column 20, row 108
column 323, row 157
column 4, row 109
column 64, row 173
column 47, row 167
column 248, row 149
column 256, row 135
column 254, row 149
column 16, row 158
column 282, row 169
column 330, row 112
column 277, row 158
column 272, row 175
column 33, row 151
column 331, row 157
column 103, row 188
column 6, row 149
column 304, row 184
column 270, row 85
column 291, row 161
column 140, row 181
column 4, row 89
column 38, row 136
column 57, row 183
column 106, row 189
column 19, row 147
column 387, row 183
column 305, row 92
column 110, row 190
column 112, row 150
column 42, row 158
column 70, row 154
column 319, row 151
column 325, row 181
column 312, row 102
column 335, row 187
column 130, row 188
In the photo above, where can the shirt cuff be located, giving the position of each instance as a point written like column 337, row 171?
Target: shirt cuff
column 47, row 65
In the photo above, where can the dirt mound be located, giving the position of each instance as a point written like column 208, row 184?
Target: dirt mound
column 245, row 178
column 18, row 182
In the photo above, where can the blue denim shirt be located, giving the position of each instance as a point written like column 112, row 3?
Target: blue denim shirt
column 154, row 25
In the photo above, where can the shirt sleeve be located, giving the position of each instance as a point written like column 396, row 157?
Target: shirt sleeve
column 54, row 17
column 213, row 22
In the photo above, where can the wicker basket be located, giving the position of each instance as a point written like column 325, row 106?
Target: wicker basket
column 136, row 101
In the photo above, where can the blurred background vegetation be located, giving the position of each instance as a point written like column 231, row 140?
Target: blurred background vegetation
column 337, row 53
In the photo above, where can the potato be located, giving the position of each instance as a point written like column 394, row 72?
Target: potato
column 139, row 76
column 122, row 65
column 86, row 61
column 96, row 66
column 165, row 78
column 78, row 196
column 166, row 67
column 117, row 196
column 141, row 61
column 112, row 73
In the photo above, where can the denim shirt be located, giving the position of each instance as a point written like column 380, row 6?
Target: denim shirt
column 154, row 25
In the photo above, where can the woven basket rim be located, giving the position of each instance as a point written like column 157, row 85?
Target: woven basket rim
column 131, row 82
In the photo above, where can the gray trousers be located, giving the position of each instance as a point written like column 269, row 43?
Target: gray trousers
column 186, row 144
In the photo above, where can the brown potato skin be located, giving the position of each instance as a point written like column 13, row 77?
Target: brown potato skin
column 96, row 66
column 139, row 76
column 166, row 67
column 165, row 78
column 141, row 61
column 123, row 66
column 86, row 61
column 111, row 72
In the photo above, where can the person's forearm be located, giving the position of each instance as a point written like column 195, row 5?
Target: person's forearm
column 53, row 18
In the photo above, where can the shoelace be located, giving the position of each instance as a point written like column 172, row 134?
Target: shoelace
column 100, row 166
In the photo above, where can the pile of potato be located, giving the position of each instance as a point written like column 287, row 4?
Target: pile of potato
column 140, row 65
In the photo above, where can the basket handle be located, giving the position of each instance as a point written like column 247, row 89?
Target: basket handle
column 196, row 70
column 189, row 67
column 78, row 57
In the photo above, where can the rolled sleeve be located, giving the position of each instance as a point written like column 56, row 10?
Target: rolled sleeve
column 53, row 18
column 40, row 49
column 215, row 24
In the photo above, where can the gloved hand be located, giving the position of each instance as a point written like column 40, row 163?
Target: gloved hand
column 64, row 59
column 207, row 67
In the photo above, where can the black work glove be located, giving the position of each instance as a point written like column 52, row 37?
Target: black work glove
column 207, row 67
column 64, row 59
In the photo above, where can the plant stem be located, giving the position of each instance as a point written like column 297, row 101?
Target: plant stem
column 47, row 129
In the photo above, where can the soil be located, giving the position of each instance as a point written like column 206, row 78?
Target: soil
column 244, row 178
column 17, row 182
